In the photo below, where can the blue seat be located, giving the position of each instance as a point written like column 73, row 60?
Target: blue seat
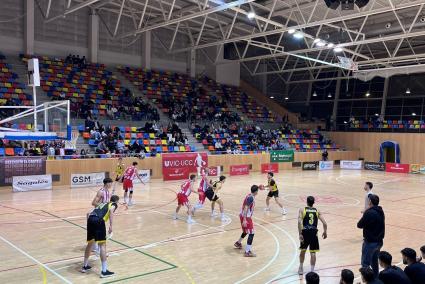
column 159, row 149
column 19, row 151
column 81, row 128
column 170, row 149
column 2, row 153
column 92, row 143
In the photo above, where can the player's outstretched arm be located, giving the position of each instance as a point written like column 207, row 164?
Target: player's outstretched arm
column 325, row 225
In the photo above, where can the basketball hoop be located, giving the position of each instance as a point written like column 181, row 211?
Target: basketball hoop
column 70, row 144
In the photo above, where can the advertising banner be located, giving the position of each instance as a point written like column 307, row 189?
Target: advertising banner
column 372, row 166
column 415, row 169
column 309, row 166
column 239, row 170
column 422, row 169
column 90, row 179
column 351, row 165
column 266, row 168
column 278, row 156
column 214, row 171
column 30, row 183
column 145, row 175
column 397, row 168
column 180, row 165
column 20, row 166
column 326, row 165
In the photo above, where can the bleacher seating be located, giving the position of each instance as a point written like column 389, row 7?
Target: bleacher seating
column 79, row 83
column 11, row 91
column 241, row 101
column 389, row 125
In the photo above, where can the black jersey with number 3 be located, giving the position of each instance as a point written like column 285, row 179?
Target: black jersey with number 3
column 310, row 218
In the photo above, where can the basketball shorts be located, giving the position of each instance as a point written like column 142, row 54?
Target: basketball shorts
column 249, row 228
column 96, row 229
column 127, row 185
column 210, row 195
column 311, row 240
column 201, row 196
column 182, row 199
column 273, row 193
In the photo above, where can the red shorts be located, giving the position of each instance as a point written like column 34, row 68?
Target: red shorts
column 201, row 196
column 182, row 199
column 127, row 184
column 249, row 228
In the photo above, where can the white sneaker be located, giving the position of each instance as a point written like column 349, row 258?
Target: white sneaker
column 213, row 214
column 175, row 217
column 300, row 271
column 284, row 212
column 223, row 218
column 130, row 203
column 267, row 209
column 190, row 221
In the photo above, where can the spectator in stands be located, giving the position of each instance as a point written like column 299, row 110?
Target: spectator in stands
column 368, row 276
column 120, row 147
column 414, row 270
column 136, row 147
column 347, row 277
column 312, row 278
column 218, row 145
column 95, row 134
column 373, row 225
column 391, row 274
column 101, row 148
column 325, row 155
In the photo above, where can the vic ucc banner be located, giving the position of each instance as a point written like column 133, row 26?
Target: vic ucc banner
column 29, row 183
column 179, row 166
column 397, row 168
column 214, row 171
column 145, row 175
column 90, row 179
column 267, row 168
column 352, row 165
column 239, row 170
column 326, row 165
column 278, row 156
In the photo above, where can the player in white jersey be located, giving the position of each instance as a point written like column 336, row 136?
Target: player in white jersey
column 199, row 163
column 203, row 186
column 183, row 198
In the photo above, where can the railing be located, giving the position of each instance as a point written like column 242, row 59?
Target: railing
column 348, row 128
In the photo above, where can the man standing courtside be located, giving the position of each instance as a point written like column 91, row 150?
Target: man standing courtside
column 373, row 225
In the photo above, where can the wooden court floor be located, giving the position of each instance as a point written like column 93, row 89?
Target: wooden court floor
column 42, row 235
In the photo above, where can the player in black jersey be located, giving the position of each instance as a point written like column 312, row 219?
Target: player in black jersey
column 307, row 227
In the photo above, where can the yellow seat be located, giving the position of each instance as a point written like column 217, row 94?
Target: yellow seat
column 152, row 135
column 133, row 129
column 127, row 142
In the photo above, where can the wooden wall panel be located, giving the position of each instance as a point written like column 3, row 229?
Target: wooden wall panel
column 64, row 168
column 412, row 148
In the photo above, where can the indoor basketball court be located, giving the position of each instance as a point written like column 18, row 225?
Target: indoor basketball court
column 283, row 99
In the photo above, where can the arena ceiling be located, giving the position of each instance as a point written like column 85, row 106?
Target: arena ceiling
column 384, row 34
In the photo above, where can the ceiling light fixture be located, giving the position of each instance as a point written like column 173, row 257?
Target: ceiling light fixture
column 291, row 31
column 298, row 35
column 408, row 91
column 329, row 96
column 314, row 94
column 286, row 98
column 367, row 94
column 251, row 15
column 414, row 114
column 271, row 97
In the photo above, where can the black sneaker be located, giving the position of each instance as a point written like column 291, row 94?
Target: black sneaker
column 105, row 274
column 86, row 268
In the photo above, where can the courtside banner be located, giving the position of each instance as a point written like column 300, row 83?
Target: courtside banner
column 30, row 183
column 214, row 171
column 372, row 166
column 180, row 165
column 397, row 168
column 239, row 170
column 326, row 165
column 415, row 169
column 267, row 168
column 145, row 175
column 278, row 156
column 20, row 166
column 90, row 179
column 422, row 170
column 309, row 166
column 351, row 165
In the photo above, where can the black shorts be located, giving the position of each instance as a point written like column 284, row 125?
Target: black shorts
column 96, row 229
column 311, row 240
column 273, row 193
column 210, row 194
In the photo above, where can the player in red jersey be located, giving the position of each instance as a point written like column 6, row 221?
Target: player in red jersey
column 183, row 198
column 246, row 222
column 130, row 174
column 203, row 186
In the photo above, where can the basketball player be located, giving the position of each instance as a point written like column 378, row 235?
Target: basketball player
column 307, row 228
column 130, row 173
column 183, row 198
column 247, row 223
column 212, row 195
column 96, row 232
column 119, row 170
column 203, row 186
column 368, row 189
column 273, row 192
column 199, row 163
column 102, row 196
